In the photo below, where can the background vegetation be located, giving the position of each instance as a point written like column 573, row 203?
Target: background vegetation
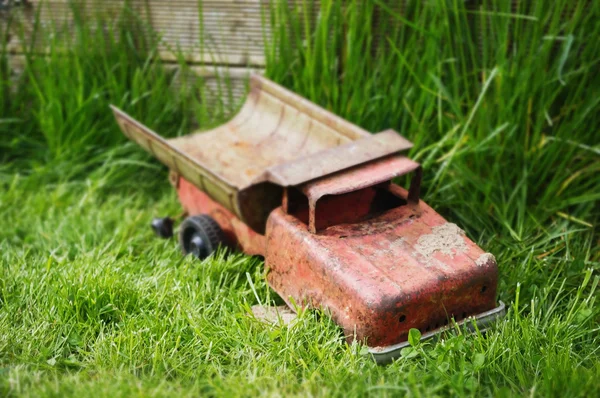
column 503, row 105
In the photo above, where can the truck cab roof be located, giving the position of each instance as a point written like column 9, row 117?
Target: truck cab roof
column 353, row 194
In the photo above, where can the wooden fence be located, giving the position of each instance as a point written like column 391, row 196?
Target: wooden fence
column 213, row 35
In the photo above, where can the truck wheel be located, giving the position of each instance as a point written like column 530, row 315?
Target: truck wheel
column 200, row 236
column 163, row 227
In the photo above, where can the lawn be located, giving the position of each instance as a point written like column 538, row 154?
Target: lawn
column 503, row 106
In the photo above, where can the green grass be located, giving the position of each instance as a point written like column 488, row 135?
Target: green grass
column 506, row 127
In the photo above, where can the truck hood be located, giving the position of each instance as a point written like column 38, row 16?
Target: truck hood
column 407, row 246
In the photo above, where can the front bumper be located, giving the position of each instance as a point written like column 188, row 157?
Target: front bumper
column 387, row 354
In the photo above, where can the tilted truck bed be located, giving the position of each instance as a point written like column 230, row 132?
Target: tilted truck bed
column 278, row 139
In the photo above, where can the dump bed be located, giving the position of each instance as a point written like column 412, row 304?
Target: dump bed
column 278, row 139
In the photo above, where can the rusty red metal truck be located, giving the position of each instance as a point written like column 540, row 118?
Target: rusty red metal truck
column 313, row 194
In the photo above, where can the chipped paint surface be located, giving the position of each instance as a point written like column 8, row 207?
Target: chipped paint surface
column 447, row 239
column 484, row 259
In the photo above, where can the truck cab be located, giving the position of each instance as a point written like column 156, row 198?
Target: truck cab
column 378, row 258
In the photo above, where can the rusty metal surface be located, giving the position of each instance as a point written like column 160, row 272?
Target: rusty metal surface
column 384, row 355
column 277, row 139
column 352, row 183
column 359, row 177
column 338, row 158
column 405, row 268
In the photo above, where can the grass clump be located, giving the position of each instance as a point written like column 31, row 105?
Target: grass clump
column 502, row 105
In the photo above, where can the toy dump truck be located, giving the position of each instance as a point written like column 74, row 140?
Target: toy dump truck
column 313, row 194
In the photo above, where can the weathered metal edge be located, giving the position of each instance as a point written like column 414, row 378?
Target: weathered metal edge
column 187, row 167
column 332, row 160
column 304, row 105
column 383, row 355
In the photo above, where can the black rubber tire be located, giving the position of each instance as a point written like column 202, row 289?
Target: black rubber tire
column 200, row 236
column 163, row 227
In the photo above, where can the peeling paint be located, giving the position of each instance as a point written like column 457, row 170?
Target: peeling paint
column 446, row 238
column 484, row 259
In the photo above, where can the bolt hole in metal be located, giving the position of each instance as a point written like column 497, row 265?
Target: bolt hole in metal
column 437, row 325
